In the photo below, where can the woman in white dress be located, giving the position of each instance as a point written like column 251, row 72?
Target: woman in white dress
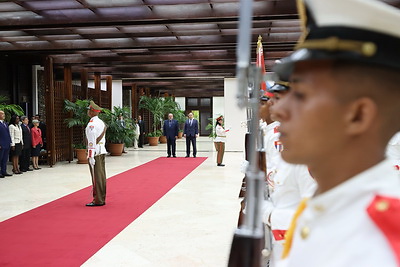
column 137, row 134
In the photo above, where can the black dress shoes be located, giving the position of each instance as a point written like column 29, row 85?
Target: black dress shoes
column 194, row 156
column 7, row 174
column 220, row 165
column 1, row 176
column 168, row 156
column 91, row 204
column 174, row 156
column 186, row 156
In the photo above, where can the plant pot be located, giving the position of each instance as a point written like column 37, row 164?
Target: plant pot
column 81, row 155
column 163, row 139
column 180, row 134
column 153, row 141
column 115, row 149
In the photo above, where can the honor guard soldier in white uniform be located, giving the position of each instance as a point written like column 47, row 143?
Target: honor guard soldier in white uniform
column 288, row 183
column 338, row 117
column 273, row 146
column 95, row 135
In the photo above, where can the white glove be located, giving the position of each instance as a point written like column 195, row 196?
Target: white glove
column 92, row 161
column 267, row 208
column 243, row 166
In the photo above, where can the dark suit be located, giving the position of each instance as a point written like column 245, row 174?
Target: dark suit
column 142, row 131
column 170, row 130
column 5, row 144
column 191, row 130
column 25, row 157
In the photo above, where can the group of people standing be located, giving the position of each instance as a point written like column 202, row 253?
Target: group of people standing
column 19, row 141
column 191, row 133
column 140, row 131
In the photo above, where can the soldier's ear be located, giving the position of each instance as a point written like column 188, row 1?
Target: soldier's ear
column 360, row 116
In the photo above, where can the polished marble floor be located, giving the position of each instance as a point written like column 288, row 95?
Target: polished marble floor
column 192, row 225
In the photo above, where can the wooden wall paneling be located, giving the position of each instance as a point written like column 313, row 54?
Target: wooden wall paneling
column 109, row 91
column 105, row 103
column 84, row 84
column 61, row 131
column 49, row 99
column 134, row 101
column 97, row 88
column 68, row 96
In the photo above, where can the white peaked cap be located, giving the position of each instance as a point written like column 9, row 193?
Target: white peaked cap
column 366, row 31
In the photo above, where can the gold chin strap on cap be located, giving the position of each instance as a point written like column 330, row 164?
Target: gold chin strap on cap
column 283, row 83
column 290, row 232
column 301, row 9
column 367, row 49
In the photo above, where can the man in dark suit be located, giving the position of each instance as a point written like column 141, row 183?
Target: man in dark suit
column 5, row 144
column 142, row 131
column 25, row 157
column 191, row 132
column 170, row 130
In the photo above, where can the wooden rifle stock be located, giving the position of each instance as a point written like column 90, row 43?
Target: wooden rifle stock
column 246, row 250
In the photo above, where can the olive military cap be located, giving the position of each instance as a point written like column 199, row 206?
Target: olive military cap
column 93, row 106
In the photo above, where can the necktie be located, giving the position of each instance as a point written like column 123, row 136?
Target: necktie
column 190, row 122
column 169, row 123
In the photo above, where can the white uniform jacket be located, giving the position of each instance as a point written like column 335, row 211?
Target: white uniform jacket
column 292, row 184
column 94, row 129
column 339, row 228
column 16, row 134
column 221, row 134
column 393, row 150
column 273, row 149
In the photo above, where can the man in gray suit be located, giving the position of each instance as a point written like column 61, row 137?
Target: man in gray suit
column 191, row 132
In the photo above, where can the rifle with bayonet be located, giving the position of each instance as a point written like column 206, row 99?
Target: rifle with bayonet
column 248, row 241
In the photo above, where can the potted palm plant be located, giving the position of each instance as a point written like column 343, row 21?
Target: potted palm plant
column 158, row 107
column 9, row 109
column 117, row 134
column 79, row 119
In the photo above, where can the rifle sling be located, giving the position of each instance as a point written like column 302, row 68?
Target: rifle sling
column 101, row 135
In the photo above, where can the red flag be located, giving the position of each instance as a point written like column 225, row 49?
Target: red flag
column 260, row 61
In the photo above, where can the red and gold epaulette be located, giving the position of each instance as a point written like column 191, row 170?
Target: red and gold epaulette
column 276, row 129
column 385, row 212
column 91, row 120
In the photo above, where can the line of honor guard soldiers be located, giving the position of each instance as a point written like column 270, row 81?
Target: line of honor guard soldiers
column 334, row 194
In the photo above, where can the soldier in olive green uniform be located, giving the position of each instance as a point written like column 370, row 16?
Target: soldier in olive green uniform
column 95, row 135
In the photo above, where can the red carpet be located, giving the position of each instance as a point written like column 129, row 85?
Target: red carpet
column 66, row 233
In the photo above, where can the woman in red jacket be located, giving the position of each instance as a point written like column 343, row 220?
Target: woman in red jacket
column 37, row 144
